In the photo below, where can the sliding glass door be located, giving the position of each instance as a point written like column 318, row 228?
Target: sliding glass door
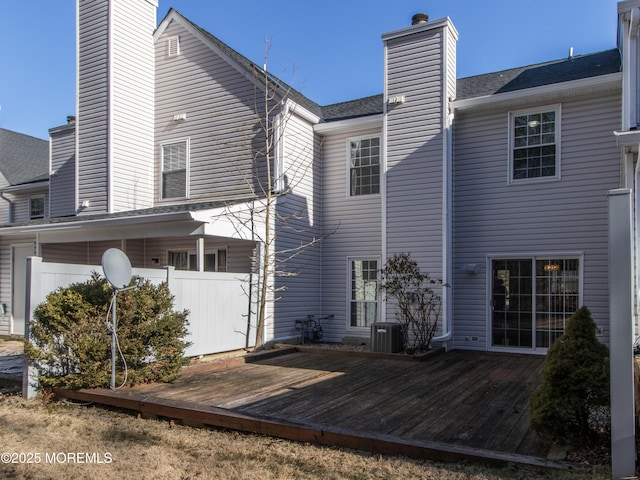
column 531, row 300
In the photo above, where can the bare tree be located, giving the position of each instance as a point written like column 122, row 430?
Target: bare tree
column 268, row 182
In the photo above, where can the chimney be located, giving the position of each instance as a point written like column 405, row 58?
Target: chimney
column 419, row 18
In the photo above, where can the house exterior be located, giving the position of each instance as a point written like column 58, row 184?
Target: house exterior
column 497, row 184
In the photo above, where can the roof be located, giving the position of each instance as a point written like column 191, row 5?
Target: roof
column 547, row 73
column 251, row 68
column 354, row 108
column 23, row 158
column 557, row 71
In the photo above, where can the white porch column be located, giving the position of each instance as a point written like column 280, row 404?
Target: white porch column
column 33, row 297
column 623, row 446
column 200, row 253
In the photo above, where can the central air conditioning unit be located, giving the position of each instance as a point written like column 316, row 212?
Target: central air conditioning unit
column 386, row 337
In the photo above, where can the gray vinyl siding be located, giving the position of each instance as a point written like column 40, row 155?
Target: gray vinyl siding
column 415, row 149
column 93, row 105
column 21, row 205
column 79, row 253
column 6, row 213
column 569, row 215
column 357, row 224
column 221, row 124
column 420, row 66
column 297, row 225
column 62, row 182
column 143, row 252
column 132, row 73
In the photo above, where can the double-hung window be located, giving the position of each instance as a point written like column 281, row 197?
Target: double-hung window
column 363, row 297
column 534, row 139
column 175, row 163
column 364, row 166
column 36, row 207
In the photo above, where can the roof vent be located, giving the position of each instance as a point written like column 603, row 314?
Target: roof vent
column 419, row 18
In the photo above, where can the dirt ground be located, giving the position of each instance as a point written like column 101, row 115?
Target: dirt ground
column 57, row 440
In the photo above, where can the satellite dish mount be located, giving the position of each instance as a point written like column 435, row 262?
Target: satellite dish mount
column 117, row 270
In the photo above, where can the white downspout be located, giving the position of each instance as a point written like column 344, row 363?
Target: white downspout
column 447, row 200
column 447, row 220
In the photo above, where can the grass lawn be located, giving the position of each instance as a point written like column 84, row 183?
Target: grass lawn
column 64, row 441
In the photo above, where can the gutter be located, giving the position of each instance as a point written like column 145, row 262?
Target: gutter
column 10, row 205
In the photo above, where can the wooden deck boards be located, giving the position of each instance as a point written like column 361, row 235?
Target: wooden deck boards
column 472, row 400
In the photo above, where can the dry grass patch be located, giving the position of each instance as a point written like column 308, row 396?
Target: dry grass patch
column 132, row 447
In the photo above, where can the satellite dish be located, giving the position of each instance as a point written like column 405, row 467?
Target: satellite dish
column 117, row 268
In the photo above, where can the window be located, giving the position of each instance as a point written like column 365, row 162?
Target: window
column 173, row 46
column 532, row 298
column 36, row 207
column 534, row 148
column 174, row 169
column 364, row 166
column 215, row 261
column 179, row 260
column 363, row 303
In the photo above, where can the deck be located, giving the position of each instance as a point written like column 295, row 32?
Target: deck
column 452, row 406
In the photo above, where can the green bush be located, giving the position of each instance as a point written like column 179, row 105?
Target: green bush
column 575, row 384
column 71, row 340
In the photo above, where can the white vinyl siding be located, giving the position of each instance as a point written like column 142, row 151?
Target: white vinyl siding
column 115, row 105
column 131, row 102
column 297, row 226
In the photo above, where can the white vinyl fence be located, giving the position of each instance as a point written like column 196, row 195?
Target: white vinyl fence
column 218, row 303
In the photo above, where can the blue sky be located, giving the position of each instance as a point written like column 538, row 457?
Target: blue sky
column 330, row 50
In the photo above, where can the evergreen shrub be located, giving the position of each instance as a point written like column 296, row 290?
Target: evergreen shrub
column 575, row 384
column 71, row 336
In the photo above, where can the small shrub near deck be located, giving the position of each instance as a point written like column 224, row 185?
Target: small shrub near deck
column 71, row 342
column 418, row 304
column 575, row 384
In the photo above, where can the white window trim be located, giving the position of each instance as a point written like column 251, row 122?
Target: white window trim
column 533, row 257
column 187, row 172
column 44, row 206
column 557, row 108
column 348, row 296
column 348, row 164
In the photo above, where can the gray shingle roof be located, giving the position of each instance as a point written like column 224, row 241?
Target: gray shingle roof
column 565, row 70
column 354, row 108
column 575, row 68
column 23, row 159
